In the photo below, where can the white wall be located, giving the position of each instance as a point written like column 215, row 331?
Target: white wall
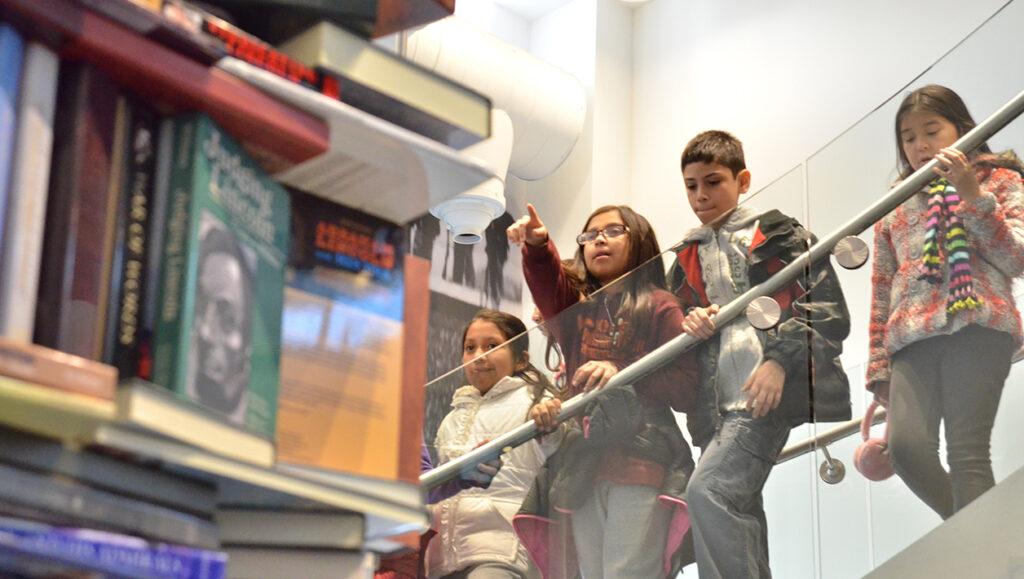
column 785, row 77
column 497, row 20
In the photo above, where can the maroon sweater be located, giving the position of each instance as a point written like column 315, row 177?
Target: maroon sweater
column 596, row 330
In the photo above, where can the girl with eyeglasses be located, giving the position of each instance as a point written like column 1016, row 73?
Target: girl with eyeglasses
column 617, row 481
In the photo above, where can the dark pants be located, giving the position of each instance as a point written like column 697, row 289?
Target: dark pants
column 956, row 380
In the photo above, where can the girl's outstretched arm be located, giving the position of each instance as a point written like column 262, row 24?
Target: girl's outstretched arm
column 528, row 229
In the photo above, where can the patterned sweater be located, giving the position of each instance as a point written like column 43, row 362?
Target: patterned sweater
column 906, row 309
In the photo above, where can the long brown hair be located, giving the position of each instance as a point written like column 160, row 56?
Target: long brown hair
column 947, row 104
column 643, row 247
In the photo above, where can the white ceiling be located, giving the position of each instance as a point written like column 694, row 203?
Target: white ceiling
column 531, row 9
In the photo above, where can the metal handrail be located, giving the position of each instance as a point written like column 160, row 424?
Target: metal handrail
column 823, row 439
column 673, row 348
column 843, row 430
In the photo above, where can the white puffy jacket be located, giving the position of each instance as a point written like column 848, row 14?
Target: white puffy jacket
column 475, row 525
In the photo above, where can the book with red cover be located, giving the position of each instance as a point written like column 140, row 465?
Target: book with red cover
column 74, row 276
column 243, row 46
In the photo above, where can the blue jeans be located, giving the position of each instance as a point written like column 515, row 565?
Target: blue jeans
column 730, row 532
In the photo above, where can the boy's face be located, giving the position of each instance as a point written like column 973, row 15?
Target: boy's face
column 712, row 189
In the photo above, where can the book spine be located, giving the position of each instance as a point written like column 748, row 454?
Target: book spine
column 133, row 243
column 110, row 472
column 27, row 199
column 55, row 369
column 114, row 235
column 12, row 48
column 74, row 275
column 56, row 500
column 177, row 229
column 154, row 253
column 120, row 555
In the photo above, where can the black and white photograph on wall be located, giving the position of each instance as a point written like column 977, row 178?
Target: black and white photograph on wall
column 487, row 274
column 463, row 280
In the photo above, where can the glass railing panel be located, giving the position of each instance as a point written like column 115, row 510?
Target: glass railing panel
column 789, row 512
column 846, row 529
column 861, row 524
column 598, row 321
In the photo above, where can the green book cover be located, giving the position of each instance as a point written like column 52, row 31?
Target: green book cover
column 218, row 334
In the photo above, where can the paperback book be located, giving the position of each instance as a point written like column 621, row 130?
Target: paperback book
column 341, row 380
column 225, row 248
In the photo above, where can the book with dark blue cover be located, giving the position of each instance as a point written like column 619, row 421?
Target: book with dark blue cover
column 26, row 545
column 12, row 48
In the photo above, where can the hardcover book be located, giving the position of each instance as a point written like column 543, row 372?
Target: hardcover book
column 132, row 237
column 341, row 376
column 12, row 48
column 218, row 336
column 326, row 529
column 26, row 198
column 244, row 46
column 59, row 500
column 111, row 471
column 299, row 562
column 74, row 282
column 141, row 404
column 24, row 544
column 393, row 88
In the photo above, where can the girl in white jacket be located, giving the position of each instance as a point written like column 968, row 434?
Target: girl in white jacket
column 475, row 538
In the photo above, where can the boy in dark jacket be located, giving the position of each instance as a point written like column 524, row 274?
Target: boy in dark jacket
column 755, row 384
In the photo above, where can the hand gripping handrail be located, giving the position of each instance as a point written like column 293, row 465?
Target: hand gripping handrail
column 669, row 350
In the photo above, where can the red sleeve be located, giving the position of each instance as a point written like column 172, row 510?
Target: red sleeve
column 550, row 287
column 676, row 382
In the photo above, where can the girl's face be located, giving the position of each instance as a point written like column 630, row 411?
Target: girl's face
column 606, row 257
column 486, row 362
column 923, row 134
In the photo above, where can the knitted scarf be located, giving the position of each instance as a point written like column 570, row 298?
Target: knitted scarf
column 942, row 220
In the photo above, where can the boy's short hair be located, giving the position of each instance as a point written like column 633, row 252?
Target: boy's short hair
column 718, row 147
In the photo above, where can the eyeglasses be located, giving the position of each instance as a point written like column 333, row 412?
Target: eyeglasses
column 608, row 232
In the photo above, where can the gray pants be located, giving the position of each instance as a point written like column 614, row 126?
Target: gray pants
column 730, row 532
column 620, row 532
column 955, row 379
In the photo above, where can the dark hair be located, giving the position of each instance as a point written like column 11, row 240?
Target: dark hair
column 718, row 147
column 947, row 104
column 643, row 246
column 941, row 101
column 513, row 330
column 641, row 279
